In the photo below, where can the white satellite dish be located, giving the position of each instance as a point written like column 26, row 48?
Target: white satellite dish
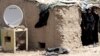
column 13, row 16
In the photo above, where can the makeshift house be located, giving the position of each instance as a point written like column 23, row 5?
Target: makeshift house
column 61, row 28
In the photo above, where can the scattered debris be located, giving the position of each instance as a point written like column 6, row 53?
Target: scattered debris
column 56, row 51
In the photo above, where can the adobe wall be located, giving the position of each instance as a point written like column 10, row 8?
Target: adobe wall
column 63, row 28
column 30, row 16
column 67, row 26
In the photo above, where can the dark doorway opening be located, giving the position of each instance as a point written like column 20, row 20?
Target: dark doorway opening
column 41, row 45
column 20, row 41
column 7, row 39
column 89, row 26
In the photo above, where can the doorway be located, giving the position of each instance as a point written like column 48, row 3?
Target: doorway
column 89, row 26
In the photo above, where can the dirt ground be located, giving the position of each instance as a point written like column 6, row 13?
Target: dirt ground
column 84, row 51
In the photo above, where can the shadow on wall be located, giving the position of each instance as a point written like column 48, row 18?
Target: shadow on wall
column 89, row 26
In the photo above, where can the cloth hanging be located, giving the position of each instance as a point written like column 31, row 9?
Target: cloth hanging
column 89, row 27
column 43, row 18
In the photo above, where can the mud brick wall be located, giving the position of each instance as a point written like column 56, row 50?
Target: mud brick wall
column 62, row 29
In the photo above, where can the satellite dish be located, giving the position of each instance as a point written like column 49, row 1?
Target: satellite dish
column 13, row 16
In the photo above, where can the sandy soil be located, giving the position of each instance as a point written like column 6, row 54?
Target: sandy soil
column 85, row 51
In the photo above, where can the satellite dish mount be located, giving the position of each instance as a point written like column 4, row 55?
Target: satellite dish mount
column 13, row 17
